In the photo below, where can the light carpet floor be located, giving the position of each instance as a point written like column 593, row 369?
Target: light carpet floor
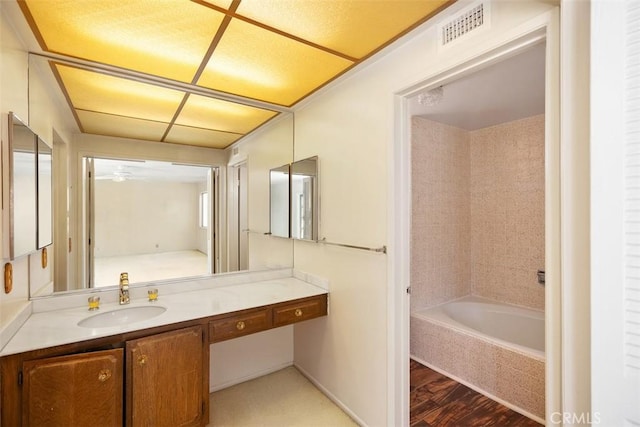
column 149, row 267
column 283, row 398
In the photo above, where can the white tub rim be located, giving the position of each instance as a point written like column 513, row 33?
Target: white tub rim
column 435, row 314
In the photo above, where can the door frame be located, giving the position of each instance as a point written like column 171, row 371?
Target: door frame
column 544, row 29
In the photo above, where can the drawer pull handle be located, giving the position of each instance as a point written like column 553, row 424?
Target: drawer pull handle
column 142, row 360
column 298, row 312
column 240, row 325
column 104, row 375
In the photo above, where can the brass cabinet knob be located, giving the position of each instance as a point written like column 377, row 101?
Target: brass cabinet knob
column 142, row 360
column 104, row 375
column 240, row 325
column 298, row 312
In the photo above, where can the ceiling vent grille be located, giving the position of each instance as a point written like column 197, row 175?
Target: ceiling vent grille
column 466, row 21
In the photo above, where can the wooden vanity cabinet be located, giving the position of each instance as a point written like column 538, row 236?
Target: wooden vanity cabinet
column 155, row 377
column 240, row 324
column 152, row 377
column 298, row 311
column 166, row 383
column 246, row 322
column 74, row 390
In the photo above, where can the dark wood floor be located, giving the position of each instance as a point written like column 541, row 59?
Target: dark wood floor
column 437, row 400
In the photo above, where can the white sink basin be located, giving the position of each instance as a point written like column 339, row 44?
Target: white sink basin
column 122, row 316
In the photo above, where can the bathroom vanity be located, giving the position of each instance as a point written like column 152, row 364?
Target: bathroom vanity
column 153, row 372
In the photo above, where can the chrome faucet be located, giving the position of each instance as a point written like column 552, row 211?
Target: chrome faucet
column 124, row 288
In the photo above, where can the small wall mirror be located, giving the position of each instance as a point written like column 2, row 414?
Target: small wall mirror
column 44, row 194
column 279, row 201
column 22, row 188
column 304, row 199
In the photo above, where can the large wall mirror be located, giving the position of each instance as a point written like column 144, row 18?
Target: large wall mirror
column 22, row 188
column 232, row 235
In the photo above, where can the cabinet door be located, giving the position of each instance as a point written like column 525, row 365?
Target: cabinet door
column 167, row 379
column 76, row 390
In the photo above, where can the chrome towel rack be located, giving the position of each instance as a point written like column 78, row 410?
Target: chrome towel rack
column 381, row 249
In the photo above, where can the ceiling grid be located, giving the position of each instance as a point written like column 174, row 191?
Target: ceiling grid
column 265, row 54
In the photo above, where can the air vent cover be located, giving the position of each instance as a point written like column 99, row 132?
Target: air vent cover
column 470, row 19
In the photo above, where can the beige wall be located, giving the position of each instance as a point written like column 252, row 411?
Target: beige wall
column 477, row 212
column 440, row 220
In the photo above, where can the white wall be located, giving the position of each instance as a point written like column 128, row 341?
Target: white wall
column 269, row 148
column 142, row 217
column 351, row 128
column 24, row 91
column 253, row 356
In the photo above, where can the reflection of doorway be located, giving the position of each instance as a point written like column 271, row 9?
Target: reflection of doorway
column 147, row 218
column 238, row 254
column 64, row 274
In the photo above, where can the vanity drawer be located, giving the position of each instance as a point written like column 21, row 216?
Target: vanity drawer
column 298, row 311
column 239, row 325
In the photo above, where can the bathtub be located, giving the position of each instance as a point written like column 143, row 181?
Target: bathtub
column 510, row 326
column 494, row 348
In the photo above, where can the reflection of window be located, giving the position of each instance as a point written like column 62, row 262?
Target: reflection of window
column 204, row 210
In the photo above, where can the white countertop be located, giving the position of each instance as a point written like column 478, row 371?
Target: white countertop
column 58, row 327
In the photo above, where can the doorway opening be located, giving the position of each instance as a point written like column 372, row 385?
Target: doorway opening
column 478, row 230
column 401, row 181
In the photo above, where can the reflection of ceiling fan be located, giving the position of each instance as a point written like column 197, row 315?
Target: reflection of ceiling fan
column 120, row 173
column 149, row 170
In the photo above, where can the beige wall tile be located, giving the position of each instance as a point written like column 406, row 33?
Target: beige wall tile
column 477, row 212
column 507, row 211
column 440, row 244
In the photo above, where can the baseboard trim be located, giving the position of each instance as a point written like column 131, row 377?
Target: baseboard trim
column 330, row 395
column 252, row 376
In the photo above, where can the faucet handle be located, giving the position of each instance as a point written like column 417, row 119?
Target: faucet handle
column 124, row 279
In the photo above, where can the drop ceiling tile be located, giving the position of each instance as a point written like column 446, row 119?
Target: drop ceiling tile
column 209, row 113
column 352, row 27
column 253, row 62
column 98, row 92
column 225, row 4
column 123, row 127
column 160, row 37
column 201, row 137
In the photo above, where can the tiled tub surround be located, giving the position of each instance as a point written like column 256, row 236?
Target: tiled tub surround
column 511, row 374
column 477, row 212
